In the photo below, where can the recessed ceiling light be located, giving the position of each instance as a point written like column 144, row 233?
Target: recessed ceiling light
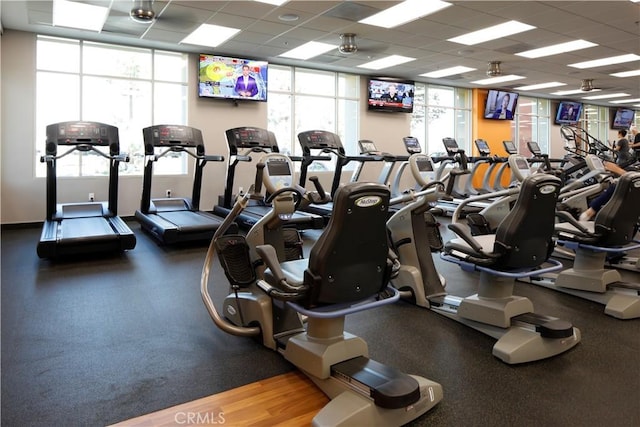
column 556, row 49
column 210, row 35
column 288, row 17
column 631, row 73
column 573, row 92
column 541, row 86
column 606, row 95
column 448, row 72
column 407, row 11
column 607, row 61
column 308, row 50
column 499, row 79
column 492, row 33
column 386, row 62
column 625, row 101
column 273, row 2
column 79, row 15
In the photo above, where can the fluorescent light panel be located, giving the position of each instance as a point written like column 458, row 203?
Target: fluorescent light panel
column 448, row 72
column 499, row 79
column 606, row 95
column 606, row 61
column 210, row 35
column 573, row 92
column 541, row 86
column 492, row 33
column 556, row 49
column 309, row 50
column 386, row 62
column 407, row 11
column 625, row 101
column 79, row 15
column 631, row 73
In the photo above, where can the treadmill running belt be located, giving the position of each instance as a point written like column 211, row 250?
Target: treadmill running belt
column 92, row 228
column 189, row 220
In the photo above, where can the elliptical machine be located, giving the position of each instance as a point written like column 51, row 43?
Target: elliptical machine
column 348, row 271
column 522, row 336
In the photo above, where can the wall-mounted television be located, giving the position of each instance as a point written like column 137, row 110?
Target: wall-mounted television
column 225, row 77
column 622, row 118
column 390, row 94
column 500, row 105
column 568, row 113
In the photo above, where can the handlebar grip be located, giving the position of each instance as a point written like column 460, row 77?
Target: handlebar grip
column 319, row 189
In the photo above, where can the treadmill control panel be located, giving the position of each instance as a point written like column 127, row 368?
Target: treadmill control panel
column 451, row 146
column 519, row 166
column 367, row 146
column 172, row 136
column 412, row 145
column 483, row 147
column 510, row 147
column 534, row 148
column 250, row 137
column 75, row 133
column 319, row 140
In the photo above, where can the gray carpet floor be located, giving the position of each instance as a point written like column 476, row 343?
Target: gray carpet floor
column 98, row 340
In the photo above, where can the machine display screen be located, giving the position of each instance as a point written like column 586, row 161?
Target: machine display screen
column 424, row 166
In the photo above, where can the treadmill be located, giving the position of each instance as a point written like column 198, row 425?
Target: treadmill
column 243, row 141
column 174, row 219
column 81, row 228
column 315, row 145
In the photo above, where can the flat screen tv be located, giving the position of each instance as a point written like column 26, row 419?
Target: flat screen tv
column 225, row 77
column 500, row 105
column 390, row 95
column 622, row 118
column 568, row 113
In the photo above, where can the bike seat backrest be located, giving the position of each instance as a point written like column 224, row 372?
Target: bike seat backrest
column 616, row 221
column 524, row 237
column 349, row 260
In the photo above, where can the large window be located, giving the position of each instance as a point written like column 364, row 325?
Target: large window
column 441, row 112
column 302, row 99
column 532, row 123
column 130, row 88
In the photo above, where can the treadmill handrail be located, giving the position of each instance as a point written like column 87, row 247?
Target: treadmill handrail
column 122, row 157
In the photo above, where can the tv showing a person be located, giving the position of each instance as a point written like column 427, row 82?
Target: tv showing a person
column 392, row 94
column 503, row 111
column 246, row 86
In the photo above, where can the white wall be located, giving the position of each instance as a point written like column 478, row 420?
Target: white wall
column 22, row 198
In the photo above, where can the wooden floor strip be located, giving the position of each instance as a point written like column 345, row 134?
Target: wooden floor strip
column 285, row 400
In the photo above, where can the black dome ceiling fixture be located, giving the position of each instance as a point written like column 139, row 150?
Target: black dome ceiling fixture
column 348, row 44
column 143, row 11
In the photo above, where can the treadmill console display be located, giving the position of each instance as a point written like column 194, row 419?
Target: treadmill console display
column 522, row 164
column 450, row 145
column 412, row 145
column 594, row 163
column 319, row 139
column 75, row 133
column 367, row 146
column 483, row 147
column 510, row 147
column 248, row 137
column 534, row 148
column 172, row 135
